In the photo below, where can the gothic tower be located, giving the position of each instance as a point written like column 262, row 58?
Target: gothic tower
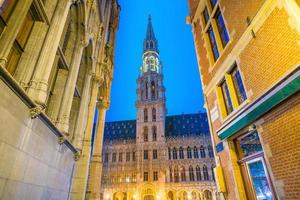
column 151, row 110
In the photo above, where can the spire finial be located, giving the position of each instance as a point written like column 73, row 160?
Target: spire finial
column 149, row 17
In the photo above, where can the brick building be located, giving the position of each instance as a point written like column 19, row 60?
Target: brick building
column 249, row 59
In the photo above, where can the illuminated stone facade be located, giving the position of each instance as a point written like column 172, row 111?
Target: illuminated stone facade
column 56, row 63
column 157, row 156
column 249, row 54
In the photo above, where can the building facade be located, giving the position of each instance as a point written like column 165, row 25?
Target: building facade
column 56, row 67
column 157, row 156
column 249, row 55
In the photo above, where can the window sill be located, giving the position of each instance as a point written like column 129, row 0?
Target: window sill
column 237, row 111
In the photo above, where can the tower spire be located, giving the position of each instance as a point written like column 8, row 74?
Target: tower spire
column 150, row 42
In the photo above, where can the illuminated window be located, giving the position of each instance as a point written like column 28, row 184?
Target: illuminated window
column 106, row 157
column 238, row 85
column 182, row 174
column 176, row 174
column 145, row 134
column 221, row 27
column 226, row 97
column 196, row 155
column 210, row 152
column 189, row 153
column 198, row 173
column 155, row 176
column 202, row 152
column 155, row 154
column 152, row 90
column 205, row 173
column 213, row 42
column 127, row 156
column 174, row 153
column 145, row 176
column 133, row 156
column 114, row 157
column 145, row 115
column 191, row 173
column 212, row 172
column 120, row 157
column 145, row 154
column 153, row 114
column 154, row 134
column 181, row 154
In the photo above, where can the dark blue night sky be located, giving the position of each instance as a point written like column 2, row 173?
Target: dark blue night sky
column 177, row 54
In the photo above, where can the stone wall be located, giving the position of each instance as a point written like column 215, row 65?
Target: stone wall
column 33, row 165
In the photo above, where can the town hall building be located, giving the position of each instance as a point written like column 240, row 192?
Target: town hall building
column 157, row 156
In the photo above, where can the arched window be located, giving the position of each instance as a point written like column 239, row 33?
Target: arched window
column 147, row 88
column 207, row 195
column 202, row 152
column 191, row 173
column 185, row 195
column 176, row 174
column 153, row 114
column 169, row 150
column 171, row 175
column 145, row 134
column 182, row 174
column 212, row 172
column 152, row 90
column 181, row 155
column 194, row 196
column 154, row 134
column 210, row 151
column 205, row 173
column 145, row 115
column 189, row 152
column 174, row 153
column 198, row 173
column 196, row 155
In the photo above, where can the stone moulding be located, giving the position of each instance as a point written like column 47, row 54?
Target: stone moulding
column 14, row 86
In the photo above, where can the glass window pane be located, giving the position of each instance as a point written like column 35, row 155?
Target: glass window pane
column 205, row 15
column 249, row 145
column 222, row 28
column 226, row 96
column 260, row 181
column 213, row 43
column 213, row 3
column 238, row 85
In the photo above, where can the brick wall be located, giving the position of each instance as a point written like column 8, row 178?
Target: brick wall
column 281, row 134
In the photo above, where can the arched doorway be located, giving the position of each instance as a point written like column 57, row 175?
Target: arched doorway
column 170, row 195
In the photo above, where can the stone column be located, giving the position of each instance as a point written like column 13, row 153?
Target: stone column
column 38, row 89
column 66, row 104
column 81, row 171
column 11, row 31
column 83, row 111
column 96, row 163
